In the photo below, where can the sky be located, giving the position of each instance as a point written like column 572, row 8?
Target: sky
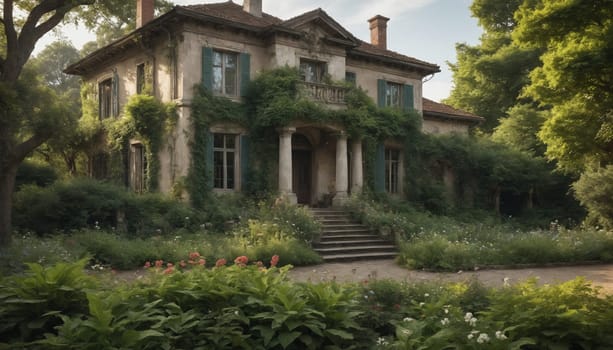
column 425, row 29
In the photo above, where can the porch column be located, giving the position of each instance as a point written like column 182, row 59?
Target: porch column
column 285, row 165
column 341, row 170
column 357, row 178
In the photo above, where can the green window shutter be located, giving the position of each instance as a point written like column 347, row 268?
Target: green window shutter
column 244, row 161
column 407, row 97
column 209, row 160
column 207, row 68
column 350, row 77
column 115, row 94
column 245, row 71
column 380, row 168
column 381, row 85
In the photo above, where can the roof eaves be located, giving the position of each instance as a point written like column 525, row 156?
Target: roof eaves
column 474, row 119
column 428, row 68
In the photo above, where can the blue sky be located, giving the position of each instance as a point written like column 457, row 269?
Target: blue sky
column 424, row 29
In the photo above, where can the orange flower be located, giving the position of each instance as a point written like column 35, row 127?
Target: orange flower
column 220, row 262
column 274, row 261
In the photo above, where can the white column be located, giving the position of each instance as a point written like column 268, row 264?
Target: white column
column 357, row 178
column 342, row 182
column 285, row 165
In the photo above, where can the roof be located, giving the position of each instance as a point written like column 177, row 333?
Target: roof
column 440, row 110
column 231, row 14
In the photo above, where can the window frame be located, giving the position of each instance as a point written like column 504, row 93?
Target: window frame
column 389, row 85
column 393, row 170
column 224, row 151
column 320, row 70
column 140, row 77
column 222, row 67
column 105, row 98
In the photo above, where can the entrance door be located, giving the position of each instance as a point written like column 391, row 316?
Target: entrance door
column 301, row 175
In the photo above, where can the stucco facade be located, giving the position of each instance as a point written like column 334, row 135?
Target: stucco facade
column 222, row 46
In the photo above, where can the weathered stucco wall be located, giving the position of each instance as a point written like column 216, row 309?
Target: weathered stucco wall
column 438, row 126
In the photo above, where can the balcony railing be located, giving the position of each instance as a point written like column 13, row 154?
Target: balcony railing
column 325, row 93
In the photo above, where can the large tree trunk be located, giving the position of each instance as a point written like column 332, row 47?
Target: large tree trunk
column 7, row 184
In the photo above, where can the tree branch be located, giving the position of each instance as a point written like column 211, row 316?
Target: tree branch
column 24, row 148
column 9, row 26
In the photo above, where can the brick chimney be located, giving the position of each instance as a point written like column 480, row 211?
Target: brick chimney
column 254, row 7
column 144, row 12
column 378, row 31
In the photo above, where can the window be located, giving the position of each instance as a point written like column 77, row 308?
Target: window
column 393, row 95
column 225, row 73
column 350, row 77
column 312, row 71
column 138, row 167
column 98, row 166
column 392, row 170
column 224, row 161
column 105, row 98
column 140, row 78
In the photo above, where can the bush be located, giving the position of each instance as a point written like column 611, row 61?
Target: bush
column 594, row 189
column 33, row 173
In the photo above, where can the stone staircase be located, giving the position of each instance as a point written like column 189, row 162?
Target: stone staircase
column 344, row 239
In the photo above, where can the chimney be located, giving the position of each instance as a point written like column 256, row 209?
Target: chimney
column 378, row 31
column 144, row 12
column 254, row 7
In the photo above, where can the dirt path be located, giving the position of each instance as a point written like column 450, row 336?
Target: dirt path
column 600, row 275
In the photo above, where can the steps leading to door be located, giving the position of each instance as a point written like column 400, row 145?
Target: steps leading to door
column 344, row 239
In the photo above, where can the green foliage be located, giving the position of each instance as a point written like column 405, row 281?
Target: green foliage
column 34, row 173
column 520, row 129
column 82, row 203
column 32, row 304
column 594, row 189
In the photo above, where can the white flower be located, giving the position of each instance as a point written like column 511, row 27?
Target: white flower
column 381, row 341
column 468, row 316
column 505, row 281
column 483, row 338
column 472, row 322
column 470, row 336
column 500, row 335
column 445, row 321
column 426, row 295
column 408, row 319
column 407, row 332
column 421, row 304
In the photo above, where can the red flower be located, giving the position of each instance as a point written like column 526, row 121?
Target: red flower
column 194, row 255
column 169, row 270
column 170, row 265
column 274, row 261
column 201, row 262
column 147, row 264
column 220, row 262
column 182, row 263
column 159, row 263
column 241, row 260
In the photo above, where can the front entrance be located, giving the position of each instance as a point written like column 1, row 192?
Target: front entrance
column 301, row 175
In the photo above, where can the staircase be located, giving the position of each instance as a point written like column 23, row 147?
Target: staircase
column 344, row 239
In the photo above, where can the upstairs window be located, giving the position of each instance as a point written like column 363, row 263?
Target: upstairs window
column 140, row 78
column 312, row 71
column 225, row 73
column 393, row 95
column 105, row 98
column 224, row 161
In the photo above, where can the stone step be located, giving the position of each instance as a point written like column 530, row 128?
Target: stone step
column 382, row 247
column 343, row 226
column 349, row 242
column 360, row 256
column 347, row 237
column 338, row 231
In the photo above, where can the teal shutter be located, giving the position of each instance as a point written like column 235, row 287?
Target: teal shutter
column 244, row 161
column 350, row 77
column 381, row 85
column 209, row 160
column 380, row 168
column 407, row 97
column 245, row 71
column 207, row 68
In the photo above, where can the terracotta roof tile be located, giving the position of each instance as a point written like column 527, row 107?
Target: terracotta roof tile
column 437, row 108
column 234, row 12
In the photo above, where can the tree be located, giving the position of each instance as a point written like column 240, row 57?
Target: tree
column 575, row 79
column 28, row 116
column 520, row 128
column 489, row 77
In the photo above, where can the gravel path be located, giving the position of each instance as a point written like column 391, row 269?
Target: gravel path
column 600, row 275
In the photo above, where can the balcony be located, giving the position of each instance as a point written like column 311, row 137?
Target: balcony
column 325, row 93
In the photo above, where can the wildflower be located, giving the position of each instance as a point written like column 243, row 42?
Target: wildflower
column 194, row 255
column 408, row 319
column 407, row 332
column 182, row 263
column 483, row 338
column 422, row 304
column 505, row 281
column 381, row 341
column 259, row 264
column 274, row 261
column 169, row 270
column 500, row 335
column 201, row 262
column 170, row 265
column 472, row 322
column 470, row 336
column 468, row 316
column 426, row 295
column 220, row 262
column 159, row 263
column 147, row 264
column 445, row 321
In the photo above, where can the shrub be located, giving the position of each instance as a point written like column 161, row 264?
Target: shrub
column 33, row 173
column 594, row 189
column 45, row 251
